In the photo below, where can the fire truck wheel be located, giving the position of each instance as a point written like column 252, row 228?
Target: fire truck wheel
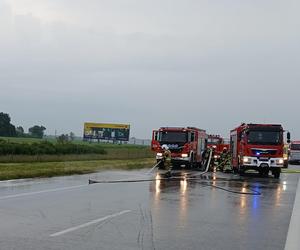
column 161, row 165
column 266, row 173
column 276, row 174
column 176, row 166
column 241, row 171
column 192, row 162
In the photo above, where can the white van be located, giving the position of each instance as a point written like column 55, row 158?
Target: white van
column 294, row 156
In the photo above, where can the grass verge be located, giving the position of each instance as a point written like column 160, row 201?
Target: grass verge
column 10, row 171
column 290, row 171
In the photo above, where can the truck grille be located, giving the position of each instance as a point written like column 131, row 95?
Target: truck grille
column 263, row 159
column 263, row 152
column 176, row 150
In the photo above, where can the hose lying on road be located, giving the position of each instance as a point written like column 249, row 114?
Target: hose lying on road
column 253, row 192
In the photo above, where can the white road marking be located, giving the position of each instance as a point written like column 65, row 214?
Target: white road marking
column 41, row 192
column 293, row 239
column 71, row 229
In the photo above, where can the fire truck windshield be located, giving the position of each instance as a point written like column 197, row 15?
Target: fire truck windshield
column 264, row 137
column 295, row 146
column 173, row 137
column 213, row 141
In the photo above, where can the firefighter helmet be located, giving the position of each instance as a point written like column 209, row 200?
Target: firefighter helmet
column 165, row 147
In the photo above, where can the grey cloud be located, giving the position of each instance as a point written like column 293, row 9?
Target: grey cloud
column 150, row 63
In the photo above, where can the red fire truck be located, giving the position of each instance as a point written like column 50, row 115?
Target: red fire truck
column 186, row 144
column 218, row 144
column 258, row 147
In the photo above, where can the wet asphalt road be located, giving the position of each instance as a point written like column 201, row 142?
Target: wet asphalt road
column 67, row 213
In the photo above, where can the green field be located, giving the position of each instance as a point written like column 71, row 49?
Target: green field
column 111, row 151
column 118, row 153
column 35, row 140
column 22, row 140
column 19, row 165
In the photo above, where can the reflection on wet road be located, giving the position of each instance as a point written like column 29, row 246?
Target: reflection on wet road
column 215, row 211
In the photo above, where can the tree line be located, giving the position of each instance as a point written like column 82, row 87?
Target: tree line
column 62, row 146
column 9, row 130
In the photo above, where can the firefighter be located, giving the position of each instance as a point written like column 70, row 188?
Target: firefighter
column 166, row 159
column 224, row 163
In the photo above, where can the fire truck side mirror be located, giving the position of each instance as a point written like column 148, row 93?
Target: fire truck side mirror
column 288, row 135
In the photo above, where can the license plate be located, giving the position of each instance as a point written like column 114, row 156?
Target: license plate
column 263, row 159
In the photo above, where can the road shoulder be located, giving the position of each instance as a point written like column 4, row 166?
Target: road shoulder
column 293, row 239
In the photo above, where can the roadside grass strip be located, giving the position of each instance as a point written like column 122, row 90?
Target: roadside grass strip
column 9, row 171
column 290, row 171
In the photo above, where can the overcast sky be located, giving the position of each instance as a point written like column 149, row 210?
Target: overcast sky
column 206, row 63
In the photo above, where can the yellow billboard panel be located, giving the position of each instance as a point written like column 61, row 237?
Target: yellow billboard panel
column 89, row 125
column 106, row 131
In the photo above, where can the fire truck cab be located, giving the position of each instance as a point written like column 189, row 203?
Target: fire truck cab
column 218, row 144
column 258, row 147
column 213, row 141
column 186, row 144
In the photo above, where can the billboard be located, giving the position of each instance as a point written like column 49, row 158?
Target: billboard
column 106, row 131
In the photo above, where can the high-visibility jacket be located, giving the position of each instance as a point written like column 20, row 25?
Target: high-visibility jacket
column 167, row 156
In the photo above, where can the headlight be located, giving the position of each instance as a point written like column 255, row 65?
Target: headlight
column 159, row 154
column 215, row 156
column 246, row 159
column 285, row 158
column 184, row 155
column 280, row 161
